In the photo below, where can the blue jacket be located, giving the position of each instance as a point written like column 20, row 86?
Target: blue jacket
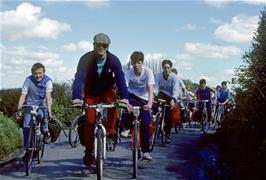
column 88, row 79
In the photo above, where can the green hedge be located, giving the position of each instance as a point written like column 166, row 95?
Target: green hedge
column 10, row 137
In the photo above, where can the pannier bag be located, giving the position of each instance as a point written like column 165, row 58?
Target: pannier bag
column 175, row 114
column 55, row 127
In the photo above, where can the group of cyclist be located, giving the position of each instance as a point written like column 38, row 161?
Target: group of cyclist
column 100, row 79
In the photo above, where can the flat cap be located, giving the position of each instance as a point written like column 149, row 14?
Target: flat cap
column 102, row 38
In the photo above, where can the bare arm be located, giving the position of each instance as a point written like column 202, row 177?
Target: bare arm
column 150, row 97
column 21, row 100
column 49, row 104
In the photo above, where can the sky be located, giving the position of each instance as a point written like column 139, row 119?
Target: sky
column 203, row 38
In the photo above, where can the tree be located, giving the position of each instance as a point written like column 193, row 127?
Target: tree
column 243, row 133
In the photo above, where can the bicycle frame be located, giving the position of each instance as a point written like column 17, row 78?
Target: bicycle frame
column 100, row 136
column 160, row 116
column 204, row 118
column 135, row 139
column 219, row 114
column 34, row 139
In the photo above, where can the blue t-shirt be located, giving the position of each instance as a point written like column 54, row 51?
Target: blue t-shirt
column 223, row 94
column 203, row 94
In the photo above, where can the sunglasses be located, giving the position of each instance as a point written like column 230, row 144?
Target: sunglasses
column 98, row 45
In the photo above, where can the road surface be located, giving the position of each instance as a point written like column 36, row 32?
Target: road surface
column 60, row 161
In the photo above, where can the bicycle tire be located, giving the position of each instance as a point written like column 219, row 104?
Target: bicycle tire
column 218, row 119
column 179, row 127
column 73, row 136
column 29, row 152
column 204, row 122
column 162, row 133
column 40, row 149
column 99, row 159
column 135, row 150
column 154, row 136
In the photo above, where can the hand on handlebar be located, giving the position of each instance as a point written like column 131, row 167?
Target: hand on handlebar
column 18, row 115
column 77, row 103
column 147, row 107
column 125, row 103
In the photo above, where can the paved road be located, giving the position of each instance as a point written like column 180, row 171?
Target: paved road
column 63, row 162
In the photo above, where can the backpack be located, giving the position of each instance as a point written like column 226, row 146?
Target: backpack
column 175, row 114
column 55, row 127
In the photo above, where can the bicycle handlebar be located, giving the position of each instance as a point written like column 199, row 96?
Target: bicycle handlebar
column 34, row 107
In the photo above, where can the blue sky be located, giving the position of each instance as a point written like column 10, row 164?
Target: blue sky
column 205, row 39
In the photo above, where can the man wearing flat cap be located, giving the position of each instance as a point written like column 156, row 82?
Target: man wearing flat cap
column 99, row 74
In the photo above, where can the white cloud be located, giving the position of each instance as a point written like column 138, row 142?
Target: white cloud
column 85, row 45
column 71, row 47
column 214, row 79
column 16, row 63
column 229, row 72
column 240, row 29
column 97, row 3
column 188, row 27
column 223, row 3
column 212, row 51
column 183, row 56
column 153, row 56
column 26, row 22
column 255, row 2
column 217, row 3
column 81, row 45
column 184, row 65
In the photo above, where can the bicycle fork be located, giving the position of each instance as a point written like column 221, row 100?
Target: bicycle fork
column 103, row 137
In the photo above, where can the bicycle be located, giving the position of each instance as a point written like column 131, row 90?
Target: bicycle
column 36, row 142
column 218, row 115
column 159, row 123
column 78, row 123
column 101, row 144
column 205, row 124
column 135, row 146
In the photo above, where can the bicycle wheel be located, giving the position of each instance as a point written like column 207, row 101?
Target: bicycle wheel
column 154, row 136
column 218, row 119
column 190, row 123
column 30, row 151
column 99, row 159
column 162, row 133
column 40, row 148
column 179, row 127
column 73, row 136
column 204, row 122
column 135, row 149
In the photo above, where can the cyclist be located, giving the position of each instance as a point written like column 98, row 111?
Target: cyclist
column 140, row 82
column 36, row 90
column 181, row 84
column 204, row 93
column 190, row 97
column 168, row 89
column 223, row 94
column 182, row 92
column 98, row 74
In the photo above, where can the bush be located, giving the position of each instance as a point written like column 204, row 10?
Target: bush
column 62, row 102
column 10, row 137
column 9, row 101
